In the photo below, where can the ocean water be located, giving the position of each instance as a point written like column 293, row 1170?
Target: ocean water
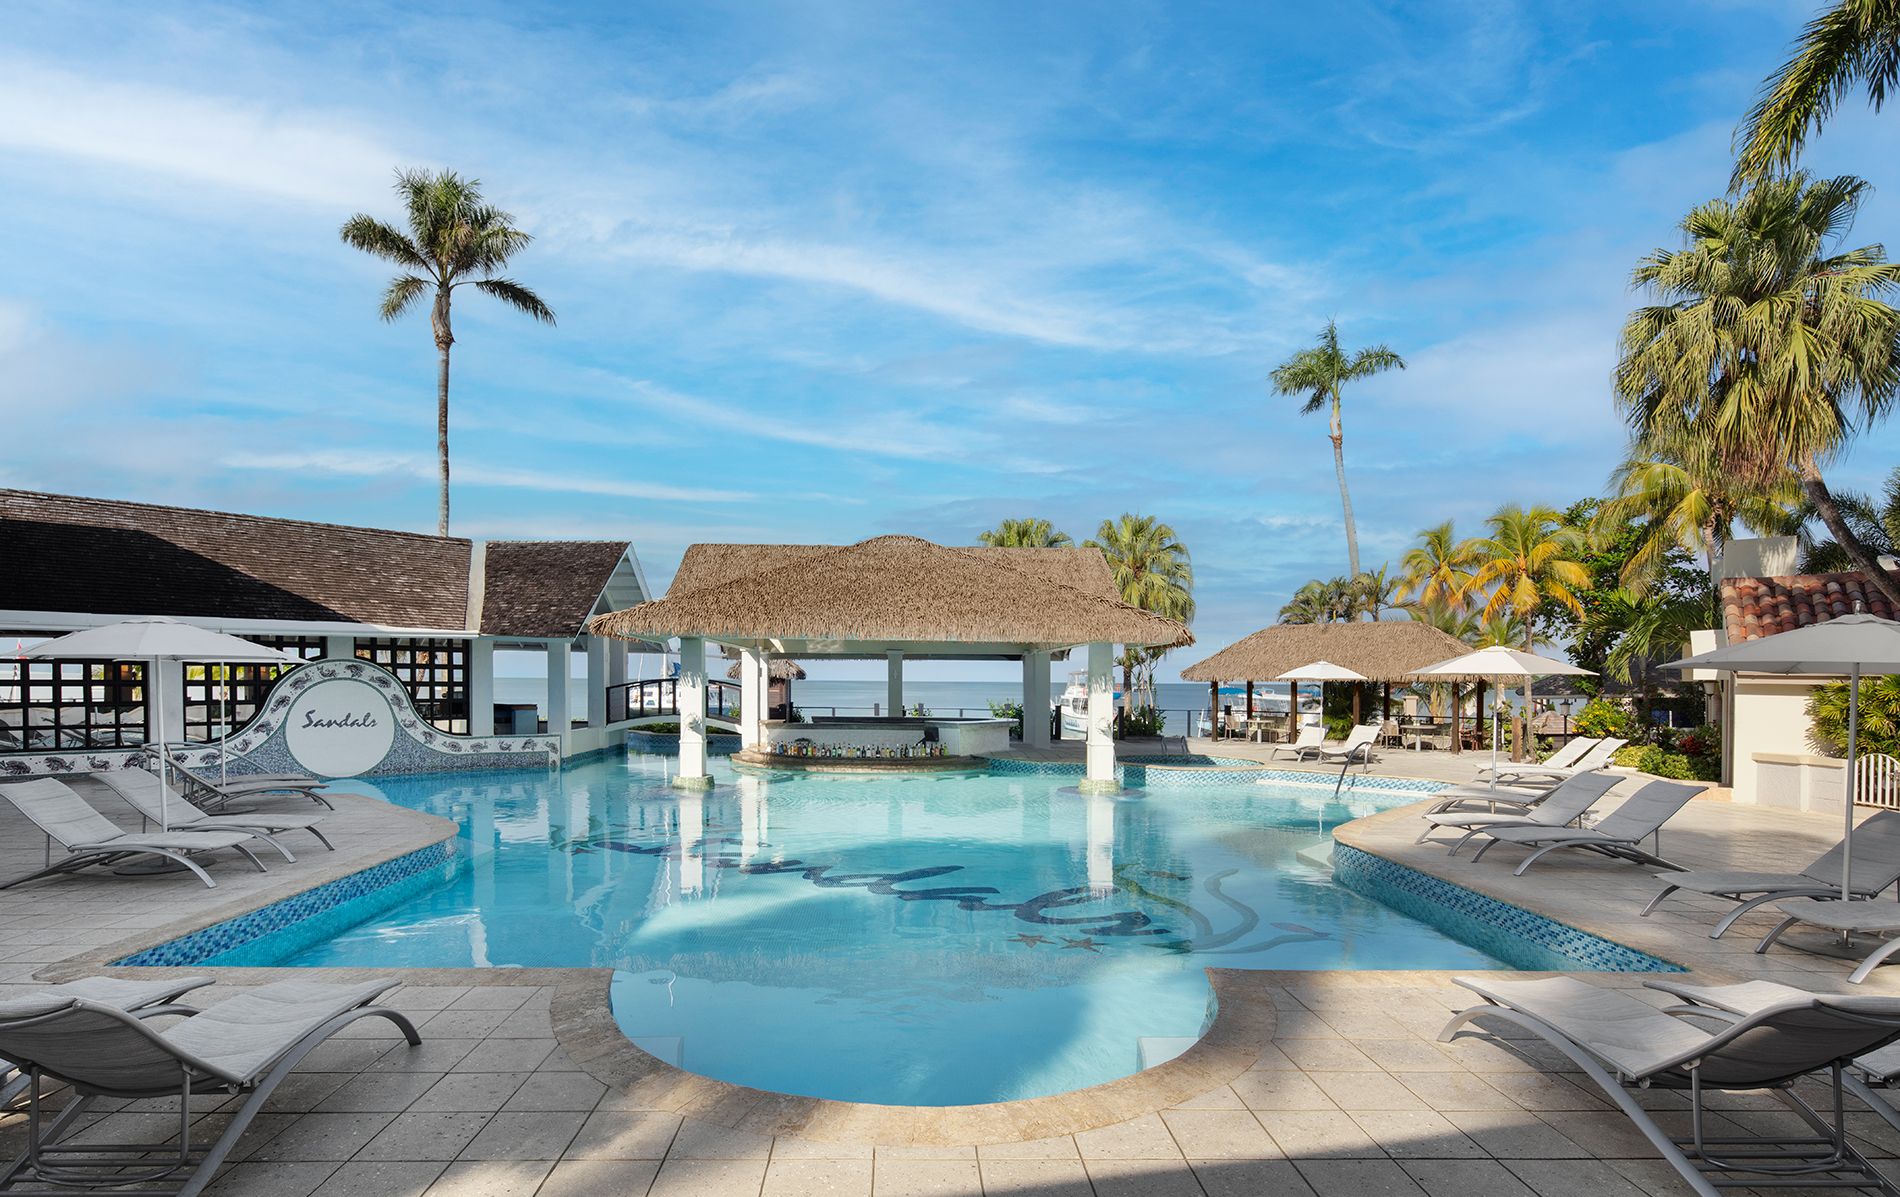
column 911, row 940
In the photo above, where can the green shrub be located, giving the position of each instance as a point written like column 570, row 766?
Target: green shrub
column 1145, row 721
column 1879, row 717
column 1660, row 762
column 1338, row 727
column 1600, row 719
column 1009, row 710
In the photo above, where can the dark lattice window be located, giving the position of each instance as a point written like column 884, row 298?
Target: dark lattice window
column 221, row 698
column 52, row 706
column 434, row 672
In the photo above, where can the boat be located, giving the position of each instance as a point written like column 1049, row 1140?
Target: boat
column 1073, row 705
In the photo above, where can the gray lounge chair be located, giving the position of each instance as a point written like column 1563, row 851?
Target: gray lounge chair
column 1356, row 750
column 92, row 839
column 247, row 1044
column 158, row 803
column 213, row 793
column 1619, row 835
column 141, row 999
column 1546, row 773
column 1564, row 805
column 1876, row 865
column 1567, row 755
column 1623, row 1043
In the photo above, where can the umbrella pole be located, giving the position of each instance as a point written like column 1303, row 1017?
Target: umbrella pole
column 156, row 685
column 1847, row 791
column 224, row 737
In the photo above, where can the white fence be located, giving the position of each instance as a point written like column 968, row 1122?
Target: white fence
column 1877, row 781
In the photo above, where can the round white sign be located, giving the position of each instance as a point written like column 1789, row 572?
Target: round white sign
column 340, row 727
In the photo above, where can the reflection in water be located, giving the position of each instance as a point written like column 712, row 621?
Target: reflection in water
column 1101, row 842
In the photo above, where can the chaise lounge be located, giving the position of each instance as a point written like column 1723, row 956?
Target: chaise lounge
column 159, row 803
column 92, row 839
column 1618, row 835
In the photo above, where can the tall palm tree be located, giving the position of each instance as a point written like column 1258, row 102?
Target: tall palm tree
column 1853, row 43
column 1318, row 374
column 1152, row 571
column 454, row 239
column 1323, row 600
column 1769, row 344
column 1438, row 569
column 1025, row 534
column 1528, row 562
column 1875, row 520
column 1676, row 489
column 1375, row 592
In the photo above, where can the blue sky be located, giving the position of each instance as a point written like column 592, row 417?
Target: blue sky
column 831, row 270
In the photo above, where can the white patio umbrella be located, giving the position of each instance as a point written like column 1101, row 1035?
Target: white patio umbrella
column 1845, row 647
column 1491, row 665
column 1318, row 671
column 155, row 638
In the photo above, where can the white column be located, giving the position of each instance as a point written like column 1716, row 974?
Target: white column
column 616, row 661
column 1036, row 700
column 692, row 832
column 597, row 681
column 750, row 698
column 764, row 683
column 339, row 646
column 560, row 721
column 894, row 681
column 692, row 698
column 1100, row 777
column 481, row 687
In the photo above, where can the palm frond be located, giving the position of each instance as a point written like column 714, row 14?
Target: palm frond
column 403, row 292
column 516, row 296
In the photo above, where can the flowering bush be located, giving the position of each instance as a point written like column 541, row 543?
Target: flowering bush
column 1599, row 718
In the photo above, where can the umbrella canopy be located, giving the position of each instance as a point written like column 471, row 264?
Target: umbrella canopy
column 155, row 638
column 1845, row 647
column 1490, row 664
column 1321, row 671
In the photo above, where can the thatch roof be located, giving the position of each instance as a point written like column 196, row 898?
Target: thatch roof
column 783, row 669
column 1384, row 651
column 895, row 589
column 712, row 564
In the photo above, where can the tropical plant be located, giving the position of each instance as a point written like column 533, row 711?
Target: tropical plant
column 1025, row 534
column 1600, row 718
column 1152, row 571
column 1879, row 729
column 1682, row 499
column 1851, row 44
column 1875, row 521
column 1769, row 344
column 1318, row 374
column 1438, row 569
column 1645, row 629
column 454, row 239
column 1528, row 562
column 1377, row 593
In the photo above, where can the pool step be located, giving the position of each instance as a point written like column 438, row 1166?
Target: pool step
column 1319, row 855
column 669, row 1048
column 1157, row 1049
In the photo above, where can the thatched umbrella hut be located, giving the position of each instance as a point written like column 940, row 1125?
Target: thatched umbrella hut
column 1383, row 651
column 782, row 672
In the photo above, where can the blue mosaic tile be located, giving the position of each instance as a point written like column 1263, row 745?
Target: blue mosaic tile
column 280, row 930
column 668, row 743
column 1518, row 937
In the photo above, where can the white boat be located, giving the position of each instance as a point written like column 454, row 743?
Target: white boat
column 1074, row 705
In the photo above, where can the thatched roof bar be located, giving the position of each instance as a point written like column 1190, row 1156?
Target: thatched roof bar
column 899, row 588
column 1384, row 651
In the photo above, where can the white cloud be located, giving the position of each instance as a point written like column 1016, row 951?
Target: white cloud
column 229, row 142
column 348, row 463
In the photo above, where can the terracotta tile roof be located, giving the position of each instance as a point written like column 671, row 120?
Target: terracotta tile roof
column 105, row 556
column 545, row 588
column 1757, row 607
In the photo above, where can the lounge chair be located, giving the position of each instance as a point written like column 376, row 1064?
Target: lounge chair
column 1623, row 1043
column 92, row 839
column 1357, row 748
column 1562, row 806
column 1857, row 916
column 1567, row 755
column 1618, row 835
column 246, row 1044
column 141, row 999
column 214, row 794
column 1876, row 865
column 160, row 804
column 1533, row 773
column 1311, row 740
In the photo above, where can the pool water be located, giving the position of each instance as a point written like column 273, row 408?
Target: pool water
column 906, row 940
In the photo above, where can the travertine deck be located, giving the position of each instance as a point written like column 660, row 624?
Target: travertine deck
column 1326, row 1082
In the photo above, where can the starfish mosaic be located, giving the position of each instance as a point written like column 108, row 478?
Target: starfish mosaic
column 1030, row 941
column 1087, row 942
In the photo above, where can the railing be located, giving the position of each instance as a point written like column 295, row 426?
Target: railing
column 660, row 696
column 1877, row 781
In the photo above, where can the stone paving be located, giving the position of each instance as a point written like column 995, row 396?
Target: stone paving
column 1316, row 1083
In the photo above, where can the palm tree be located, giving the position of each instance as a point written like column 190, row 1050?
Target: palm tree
column 1683, row 499
column 1025, row 534
column 1152, row 571
column 1375, row 593
column 1769, row 344
column 1647, row 626
column 1318, row 374
column 1855, row 43
column 1323, row 600
column 1438, row 569
column 1528, row 561
column 454, row 239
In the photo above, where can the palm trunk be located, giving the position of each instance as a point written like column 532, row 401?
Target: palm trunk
column 1830, row 512
column 444, row 337
column 1345, row 496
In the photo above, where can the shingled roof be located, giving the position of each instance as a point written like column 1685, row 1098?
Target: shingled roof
column 104, row 556
column 703, row 565
column 1756, row 607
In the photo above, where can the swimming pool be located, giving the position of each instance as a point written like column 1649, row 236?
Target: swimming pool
column 910, row 940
